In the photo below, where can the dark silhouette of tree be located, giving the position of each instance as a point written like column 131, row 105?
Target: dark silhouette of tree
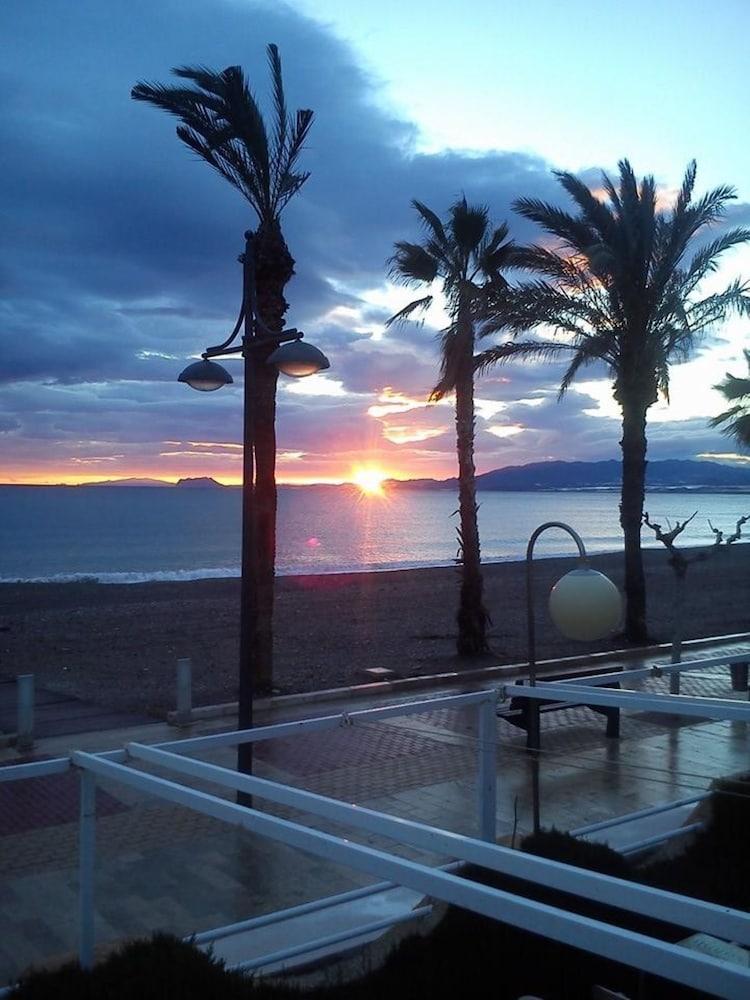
column 222, row 122
column 467, row 256
column 735, row 421
column 617, row 286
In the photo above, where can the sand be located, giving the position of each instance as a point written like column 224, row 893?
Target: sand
column 118, row 645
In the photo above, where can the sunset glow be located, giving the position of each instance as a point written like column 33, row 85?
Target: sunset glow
column 99, row 401
column 370, row 481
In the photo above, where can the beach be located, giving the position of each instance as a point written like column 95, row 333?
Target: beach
column 118, row 645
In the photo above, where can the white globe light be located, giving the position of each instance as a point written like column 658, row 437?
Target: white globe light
column 585, row 605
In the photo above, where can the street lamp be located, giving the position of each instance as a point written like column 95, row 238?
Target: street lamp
column 584, row 604
column 292, row 357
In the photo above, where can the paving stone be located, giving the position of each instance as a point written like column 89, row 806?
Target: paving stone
column 167, row 866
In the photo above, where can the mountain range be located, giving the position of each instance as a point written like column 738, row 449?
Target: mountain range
column 668, row 474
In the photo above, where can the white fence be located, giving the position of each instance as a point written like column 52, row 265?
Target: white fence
column 715, row 977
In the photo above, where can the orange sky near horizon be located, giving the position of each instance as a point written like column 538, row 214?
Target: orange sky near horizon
column 60, row 474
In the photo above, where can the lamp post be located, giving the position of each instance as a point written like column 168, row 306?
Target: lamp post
column 292, row 357
column 584, row 604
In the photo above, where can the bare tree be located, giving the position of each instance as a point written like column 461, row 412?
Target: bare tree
column 681, row 563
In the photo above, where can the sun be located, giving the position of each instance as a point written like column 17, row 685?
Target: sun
column 370, row 481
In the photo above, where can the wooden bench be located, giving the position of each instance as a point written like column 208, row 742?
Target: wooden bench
column 520, row 710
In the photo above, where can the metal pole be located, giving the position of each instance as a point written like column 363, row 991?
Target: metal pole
column 25, row 711
column 487, row 771
column 249, row 587
column 534, row 727
column 86, row 866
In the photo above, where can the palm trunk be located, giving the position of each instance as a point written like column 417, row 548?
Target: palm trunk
column 633, row 446
column 472, row 616
column 274, row 268
column 265, row 499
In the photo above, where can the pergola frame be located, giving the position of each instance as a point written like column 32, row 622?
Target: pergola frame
column 651, row 955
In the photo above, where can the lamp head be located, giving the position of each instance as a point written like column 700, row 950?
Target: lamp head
column 298, row 359
column 585, row 604
column 205, row 376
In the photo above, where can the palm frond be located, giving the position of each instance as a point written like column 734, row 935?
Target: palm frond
column 412, row 264
column 733, row 387
column 534, row 350
column 452, row 359
column 406, row 313
column 574, row 233
column 734, row 422
column 222, row 122
column 279, row 101
column 685, row 194
column 580, row 360
column 706, row 260
column 612, row 194
column 468, row 227
column 431, row 221
column 202, row 76
column 595, row 212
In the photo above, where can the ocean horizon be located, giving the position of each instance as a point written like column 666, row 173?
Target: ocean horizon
column 132, row 534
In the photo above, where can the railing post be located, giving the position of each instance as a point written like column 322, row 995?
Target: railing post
column 86, row 868
column 738, row 673
column 487, row 770
column 674, row 678
column 184, row 692
column 25, row 710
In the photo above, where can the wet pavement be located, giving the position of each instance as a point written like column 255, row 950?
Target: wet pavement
column 160, row 866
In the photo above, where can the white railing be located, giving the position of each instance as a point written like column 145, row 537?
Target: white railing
column 610, row 941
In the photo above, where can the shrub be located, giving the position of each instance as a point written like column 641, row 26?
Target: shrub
column 156, row 968
column 559, row 846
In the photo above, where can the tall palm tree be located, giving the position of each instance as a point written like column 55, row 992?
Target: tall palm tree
column 618, row 287
column 468, row 257
column 735, row 420
column 222, row 122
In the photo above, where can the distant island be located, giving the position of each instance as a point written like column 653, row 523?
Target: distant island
column 199, row 482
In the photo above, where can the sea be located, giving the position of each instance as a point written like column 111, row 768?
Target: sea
column 132, row 534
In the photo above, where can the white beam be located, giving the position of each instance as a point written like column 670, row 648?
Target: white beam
column 671, row 961
column 720, row 921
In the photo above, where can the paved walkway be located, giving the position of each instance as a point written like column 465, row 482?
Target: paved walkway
column 57, row 714
column 161, row 866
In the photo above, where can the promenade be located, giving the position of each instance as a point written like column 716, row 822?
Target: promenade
column 160, row 866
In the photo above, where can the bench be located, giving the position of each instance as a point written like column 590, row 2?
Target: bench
column 520, row 710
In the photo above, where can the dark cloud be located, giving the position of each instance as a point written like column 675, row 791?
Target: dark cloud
column 121, row 249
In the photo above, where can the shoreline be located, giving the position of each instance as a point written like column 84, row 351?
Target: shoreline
column 165, row 577
column 117, row 644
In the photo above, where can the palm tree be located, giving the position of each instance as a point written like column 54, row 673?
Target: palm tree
column 618, row 288
column 467, row 256
column 222, row 122
column 736, row 419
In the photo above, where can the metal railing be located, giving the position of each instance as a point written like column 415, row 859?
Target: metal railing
column 607, row 940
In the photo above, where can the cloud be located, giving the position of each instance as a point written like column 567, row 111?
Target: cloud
column 124, row 255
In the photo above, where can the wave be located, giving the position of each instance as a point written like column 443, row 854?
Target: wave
column 218, row 573
column 146, row 576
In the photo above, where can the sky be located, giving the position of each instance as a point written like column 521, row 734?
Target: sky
column 119, row 258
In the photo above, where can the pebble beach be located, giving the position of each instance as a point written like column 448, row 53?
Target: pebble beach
column 117, row 645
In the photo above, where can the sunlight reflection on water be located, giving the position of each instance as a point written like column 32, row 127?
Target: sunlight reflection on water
column 130, row 534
